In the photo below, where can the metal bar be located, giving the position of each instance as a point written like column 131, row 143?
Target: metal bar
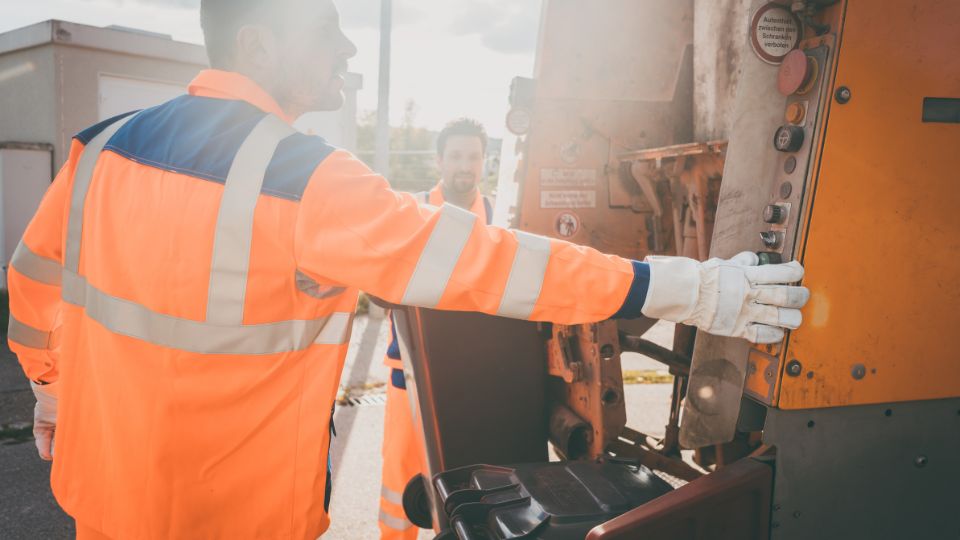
column 678, row 363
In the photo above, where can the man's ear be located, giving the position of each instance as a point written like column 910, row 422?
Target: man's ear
column 256, row 46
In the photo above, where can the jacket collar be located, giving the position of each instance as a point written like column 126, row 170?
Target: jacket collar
column 218, row 84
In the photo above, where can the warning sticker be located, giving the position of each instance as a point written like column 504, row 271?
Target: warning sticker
column 567, row 224
column 568, row 199
column 774, row 32
column 573, row 178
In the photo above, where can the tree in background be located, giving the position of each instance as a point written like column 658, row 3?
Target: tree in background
column 412, row 163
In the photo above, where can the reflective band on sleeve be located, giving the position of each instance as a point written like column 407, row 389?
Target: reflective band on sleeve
column 35, row 267
column 439, row 257
column 81, row 185
column 133, row 320
column 394, row 523
column 234, row 231
column 391, row 496
column 28, row 336
column 526, row 276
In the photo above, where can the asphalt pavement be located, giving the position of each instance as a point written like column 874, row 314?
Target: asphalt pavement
column 28, row 510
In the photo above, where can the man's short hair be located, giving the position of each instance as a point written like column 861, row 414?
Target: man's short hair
column 462, row 126
column 220, row 20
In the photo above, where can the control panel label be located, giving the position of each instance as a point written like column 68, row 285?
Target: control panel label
column 568, row 199
column 774, row 32
column 568, row 178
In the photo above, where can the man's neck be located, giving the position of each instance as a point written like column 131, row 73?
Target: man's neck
column 463, row 200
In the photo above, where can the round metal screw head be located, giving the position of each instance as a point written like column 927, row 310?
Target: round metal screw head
column 920, row 462
column 794, row 368
column 786, row 188
column 859, row 371
column 843, row 95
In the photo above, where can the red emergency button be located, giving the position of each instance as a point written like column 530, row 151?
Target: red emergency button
column 797, row 73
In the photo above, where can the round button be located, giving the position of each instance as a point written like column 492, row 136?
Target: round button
column 788, row 138
column 773, row 213
column 795, row 113
column 771, row 239
column 794, row 72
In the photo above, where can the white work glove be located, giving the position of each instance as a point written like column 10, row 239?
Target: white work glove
column 45, row 418
column 732, row 297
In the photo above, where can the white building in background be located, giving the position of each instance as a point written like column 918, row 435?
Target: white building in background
column 57, row 78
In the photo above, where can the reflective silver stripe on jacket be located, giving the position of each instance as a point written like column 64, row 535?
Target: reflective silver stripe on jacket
column 234, row 232
column 81, row 186
column 222, row 332
column 134, row 320
column 394, row 523
column 526, row 276
column 439, row 257
column 391, row 496
column 29, row 336
column 35, row 267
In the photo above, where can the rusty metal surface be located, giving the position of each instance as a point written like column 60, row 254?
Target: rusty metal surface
column 753, row 177
column 596, row 397
column 631, row 88
column 570, row 435
column 681, row 183
column 730, row 504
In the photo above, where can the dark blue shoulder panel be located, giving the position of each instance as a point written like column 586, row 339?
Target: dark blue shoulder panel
column 293, row 164
column 88, row 134
column 189, row 135
column 200, row 137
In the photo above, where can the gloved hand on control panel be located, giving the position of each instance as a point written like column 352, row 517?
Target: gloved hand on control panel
column 735, row 297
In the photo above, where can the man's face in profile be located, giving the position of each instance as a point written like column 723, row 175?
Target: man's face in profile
column 313, row 54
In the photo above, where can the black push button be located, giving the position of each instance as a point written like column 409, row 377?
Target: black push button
column 788, row 138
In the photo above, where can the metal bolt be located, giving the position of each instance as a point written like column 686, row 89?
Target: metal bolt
column 794, row 368
column 775, row 525
column 776, row 507
column 606, row 352
column 843, row 95
column 859, row 371
column 920, row 462
column 809, row 374
column 786, row 189
column 796, row 515
column 789, row 166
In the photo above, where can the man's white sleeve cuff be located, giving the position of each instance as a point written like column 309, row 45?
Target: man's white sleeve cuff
column 674, row 288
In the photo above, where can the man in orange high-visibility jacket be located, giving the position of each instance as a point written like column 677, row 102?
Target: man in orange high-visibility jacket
column 182, row 299
column 461, row 147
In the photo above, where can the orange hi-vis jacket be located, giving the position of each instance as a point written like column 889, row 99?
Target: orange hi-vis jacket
column 481, row 207
column 402, row 447
column 189, row 281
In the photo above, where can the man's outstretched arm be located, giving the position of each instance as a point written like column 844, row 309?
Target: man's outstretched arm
column 353, row 230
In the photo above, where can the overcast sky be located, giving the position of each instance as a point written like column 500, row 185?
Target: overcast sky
column 452, row 57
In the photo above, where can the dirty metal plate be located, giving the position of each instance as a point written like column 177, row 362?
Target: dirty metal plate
column 878, row 472
column 753, row 178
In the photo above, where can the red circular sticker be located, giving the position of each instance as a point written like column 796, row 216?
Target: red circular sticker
column 774, row 32
column 567, row 224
